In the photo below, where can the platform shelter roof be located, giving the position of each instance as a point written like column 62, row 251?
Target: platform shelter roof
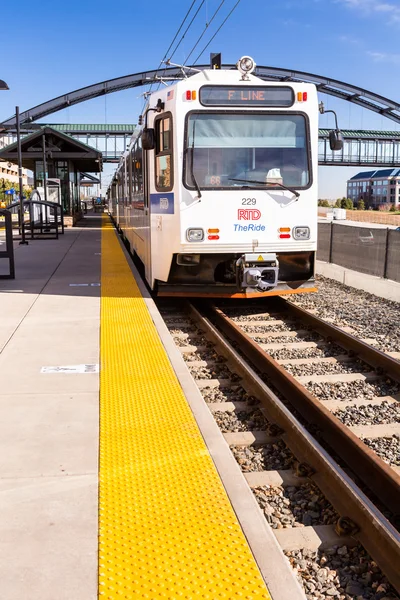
column 58, row 145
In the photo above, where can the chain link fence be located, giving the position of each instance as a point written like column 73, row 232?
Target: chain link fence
column 371, row 251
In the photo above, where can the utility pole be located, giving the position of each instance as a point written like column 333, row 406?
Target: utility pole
column 44, row 167
column 21, row 190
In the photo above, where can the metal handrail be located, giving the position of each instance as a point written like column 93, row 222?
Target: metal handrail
column 46, row 224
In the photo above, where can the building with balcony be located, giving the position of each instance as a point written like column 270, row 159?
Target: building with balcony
column 9, row 170
column 375, row 188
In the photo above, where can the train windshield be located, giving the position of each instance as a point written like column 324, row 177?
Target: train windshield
column 251, row 147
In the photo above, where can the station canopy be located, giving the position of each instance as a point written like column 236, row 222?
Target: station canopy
column 59, row 146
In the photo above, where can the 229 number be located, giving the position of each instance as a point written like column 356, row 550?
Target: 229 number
column 249, row 201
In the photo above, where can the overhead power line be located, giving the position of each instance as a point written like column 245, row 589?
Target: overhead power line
column 176, row 35
column 208, row 23
column 187, row 29
column 218, row 30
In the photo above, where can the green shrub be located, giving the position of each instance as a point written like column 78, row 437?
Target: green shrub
column 346, row 203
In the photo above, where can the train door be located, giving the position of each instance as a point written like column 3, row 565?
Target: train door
column 162, row 198
column 146, row 215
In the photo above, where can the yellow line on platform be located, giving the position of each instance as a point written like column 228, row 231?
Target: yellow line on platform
column 166, row 526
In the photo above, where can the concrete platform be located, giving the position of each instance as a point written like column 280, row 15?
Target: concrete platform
column 49, row 438
column 49, row 421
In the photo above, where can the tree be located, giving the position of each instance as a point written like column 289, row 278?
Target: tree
column 392, row 208
column 361, row 205
column 338, row 203
column 324, row 203
column 6, row 184
column 345, row 203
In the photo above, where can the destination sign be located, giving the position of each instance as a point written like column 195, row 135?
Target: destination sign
column 255, row 95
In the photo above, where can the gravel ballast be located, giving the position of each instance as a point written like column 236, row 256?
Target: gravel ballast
column 368, row 315
column 340, row 573
column 388, row 448
column 231, row 422
column 353, row 390
column 287, row 353
column 276, row 456
column 327, row 368
column 217, row 371
column 286, row 339
column 370, row 415
column 302, row 506
column 234, row 393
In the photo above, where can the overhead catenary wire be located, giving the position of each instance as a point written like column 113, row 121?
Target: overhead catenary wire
column 176, row 35
column 181, row 40
column 200, row 37
column 187, row 29
column 208, row 23
column 218, row 30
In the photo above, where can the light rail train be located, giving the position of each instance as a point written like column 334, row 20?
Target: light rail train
column 217, row 192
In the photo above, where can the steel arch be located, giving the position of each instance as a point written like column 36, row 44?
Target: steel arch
column 344, row 91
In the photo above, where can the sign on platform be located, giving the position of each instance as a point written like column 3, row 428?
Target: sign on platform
column 73, row 369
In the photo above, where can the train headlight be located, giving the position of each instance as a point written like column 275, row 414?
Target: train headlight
column 195, row 235
column 246, row 65
column 301, row 233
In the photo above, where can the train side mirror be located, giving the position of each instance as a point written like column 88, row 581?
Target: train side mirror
column 335, row 140
column 148, row 139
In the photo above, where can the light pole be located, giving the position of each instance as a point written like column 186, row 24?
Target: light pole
column 3, row 86
column 21, row 190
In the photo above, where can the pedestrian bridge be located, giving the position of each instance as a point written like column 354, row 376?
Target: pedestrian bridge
column 361, row 148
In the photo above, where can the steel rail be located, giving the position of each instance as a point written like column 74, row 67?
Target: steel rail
column 369, row 354
column 367, row 524
column 380, row 478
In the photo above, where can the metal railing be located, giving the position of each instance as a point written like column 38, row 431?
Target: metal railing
column 42, row 220
column 6, row 243
column 368, row 250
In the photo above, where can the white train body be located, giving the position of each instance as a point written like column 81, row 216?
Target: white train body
column 225, row 204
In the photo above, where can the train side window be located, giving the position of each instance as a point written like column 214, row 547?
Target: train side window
column 139, row 166
column 163, row 154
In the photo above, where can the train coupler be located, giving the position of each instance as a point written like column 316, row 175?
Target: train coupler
column 257, row 271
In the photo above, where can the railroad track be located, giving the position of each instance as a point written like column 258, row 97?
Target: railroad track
column 279, row 420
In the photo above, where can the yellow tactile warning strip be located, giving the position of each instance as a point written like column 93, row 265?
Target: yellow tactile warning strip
column 166, row 526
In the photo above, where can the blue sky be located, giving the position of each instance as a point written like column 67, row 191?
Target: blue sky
column 80, row 43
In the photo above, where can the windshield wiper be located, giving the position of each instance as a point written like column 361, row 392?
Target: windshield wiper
column 270, row 185
column 191, row 164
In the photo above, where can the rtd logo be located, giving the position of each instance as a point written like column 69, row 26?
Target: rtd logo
column 249, row 214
